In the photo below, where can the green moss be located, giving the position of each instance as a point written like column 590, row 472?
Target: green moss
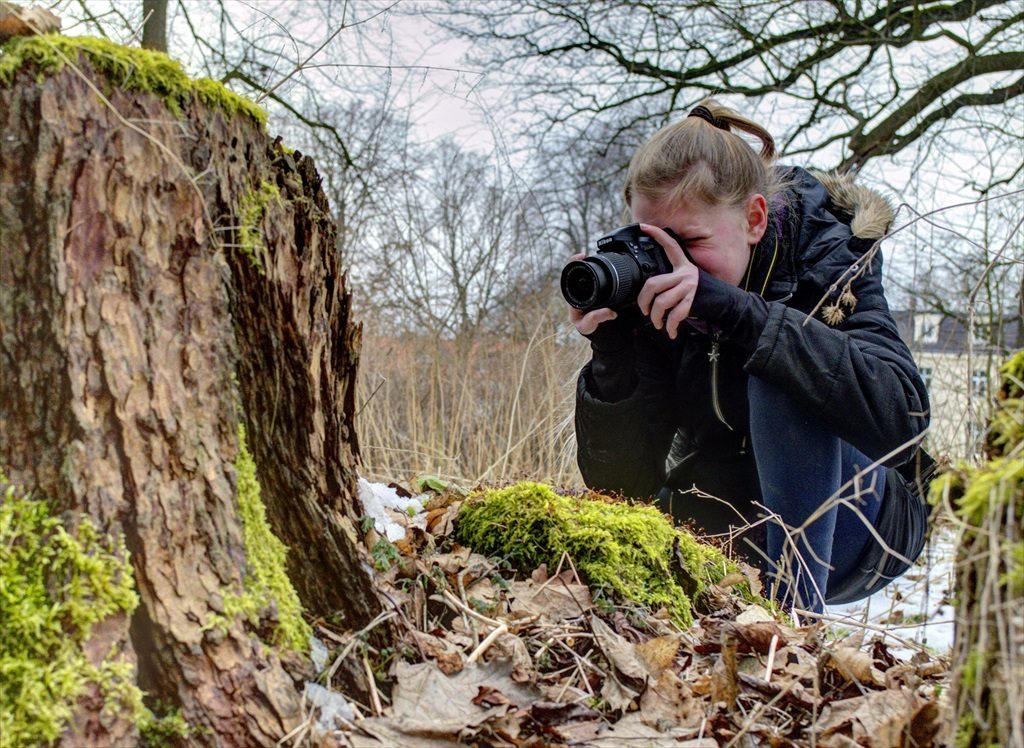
column 125, row 67
column 56, row 583
column 1014, row 576
column 166, row 730
column 266, row 584
column 628, row 549
column 251, row 209
column 1006, row 426
column 967, row 734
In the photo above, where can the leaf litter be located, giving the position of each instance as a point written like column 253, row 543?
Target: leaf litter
column 488, row 657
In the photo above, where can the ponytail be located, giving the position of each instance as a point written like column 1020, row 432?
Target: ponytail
column 701, row 156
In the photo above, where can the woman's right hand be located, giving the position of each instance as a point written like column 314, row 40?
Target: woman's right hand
column 586, row 323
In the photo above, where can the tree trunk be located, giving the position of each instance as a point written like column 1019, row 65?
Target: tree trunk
column 154, row 26
column 150, row 301
column 988, row 653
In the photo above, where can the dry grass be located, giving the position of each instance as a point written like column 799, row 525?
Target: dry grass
column 473, row 409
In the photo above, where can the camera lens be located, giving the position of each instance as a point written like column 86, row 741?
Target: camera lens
column 584, row 284
column 608, row 279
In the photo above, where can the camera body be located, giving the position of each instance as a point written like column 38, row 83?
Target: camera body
column 613, row 276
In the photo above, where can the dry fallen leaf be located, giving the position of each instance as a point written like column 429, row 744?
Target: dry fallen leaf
column 451, row 563
column 753, row 614
column 758, row 635
column 620, row 653
column 730, row 580
column 617, row 695
column 632, row 731
column 555, row 600
column 449, row 658
column 853, row 664
column 422, row 692
column 880, row 718
column 670, row 701
column 659, row 653
column 488, row 696
column 510, row 646
column 725, row 682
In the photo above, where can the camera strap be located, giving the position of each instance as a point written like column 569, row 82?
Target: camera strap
column 771, row 267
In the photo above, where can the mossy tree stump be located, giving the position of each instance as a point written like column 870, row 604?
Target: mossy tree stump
column 141, row 323
column 988, row 674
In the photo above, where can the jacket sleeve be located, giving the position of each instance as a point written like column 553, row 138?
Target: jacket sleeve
column 859, row 379
column 622, row 446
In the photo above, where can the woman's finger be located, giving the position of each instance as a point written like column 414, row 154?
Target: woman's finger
column 673, row 251
column 666, row 302
column 654, row 286
column 586, row 323
column 679, row 314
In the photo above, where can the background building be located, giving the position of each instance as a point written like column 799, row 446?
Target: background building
column 961, row 371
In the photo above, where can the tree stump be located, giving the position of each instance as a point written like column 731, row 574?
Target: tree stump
column 168, row 273
column 988, row 651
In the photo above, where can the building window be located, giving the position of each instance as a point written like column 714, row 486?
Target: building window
column 926, row 327
column 983, row 333
column 979, row 383
column 975, row 436
column 926, row 377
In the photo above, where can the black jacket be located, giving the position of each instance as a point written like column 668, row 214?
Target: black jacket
column 652, row 412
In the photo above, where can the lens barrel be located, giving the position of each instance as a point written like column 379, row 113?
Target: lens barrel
column 606, row 279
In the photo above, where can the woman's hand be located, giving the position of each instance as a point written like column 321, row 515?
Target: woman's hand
column 586, row 322
column 666, row 298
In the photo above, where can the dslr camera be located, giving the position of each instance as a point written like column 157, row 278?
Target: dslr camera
column 613, row 276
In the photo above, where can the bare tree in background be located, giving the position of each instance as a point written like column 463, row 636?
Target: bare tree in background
column 287, row 56
column 873, row 78
column 975, row 283
column 449, row 254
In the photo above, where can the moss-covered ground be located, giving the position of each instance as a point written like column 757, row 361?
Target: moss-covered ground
column 632, row 551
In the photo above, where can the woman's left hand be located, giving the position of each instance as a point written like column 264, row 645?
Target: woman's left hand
column 666, row 298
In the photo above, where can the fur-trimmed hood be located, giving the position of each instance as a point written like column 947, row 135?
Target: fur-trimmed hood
column 868, row 212
column 820, row 225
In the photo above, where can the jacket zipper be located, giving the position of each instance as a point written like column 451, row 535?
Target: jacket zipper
column 713, row 356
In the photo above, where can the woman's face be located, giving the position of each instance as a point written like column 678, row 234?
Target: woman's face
column 718, row 238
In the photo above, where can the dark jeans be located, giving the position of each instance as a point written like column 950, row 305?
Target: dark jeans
column 804, row 470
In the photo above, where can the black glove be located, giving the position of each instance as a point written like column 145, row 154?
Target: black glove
column 613, row 361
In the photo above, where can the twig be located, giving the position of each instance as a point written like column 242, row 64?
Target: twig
column 884, row 630
column 771, row 658
column 486, row 643
column 452, row 600
column 378, row 710
column 777, row 692
column 299, row 733
column 465, row 607
column 355, row 639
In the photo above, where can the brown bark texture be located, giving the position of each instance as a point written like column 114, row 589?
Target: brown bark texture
column 133, row 338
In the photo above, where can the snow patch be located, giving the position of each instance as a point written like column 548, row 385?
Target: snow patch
column 391, row 513
column 334, row 710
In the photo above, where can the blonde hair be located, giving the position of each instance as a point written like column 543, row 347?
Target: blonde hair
column 696, row 158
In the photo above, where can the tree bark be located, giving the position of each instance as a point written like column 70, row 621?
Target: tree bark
column 133, row 339
column 987, row 689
